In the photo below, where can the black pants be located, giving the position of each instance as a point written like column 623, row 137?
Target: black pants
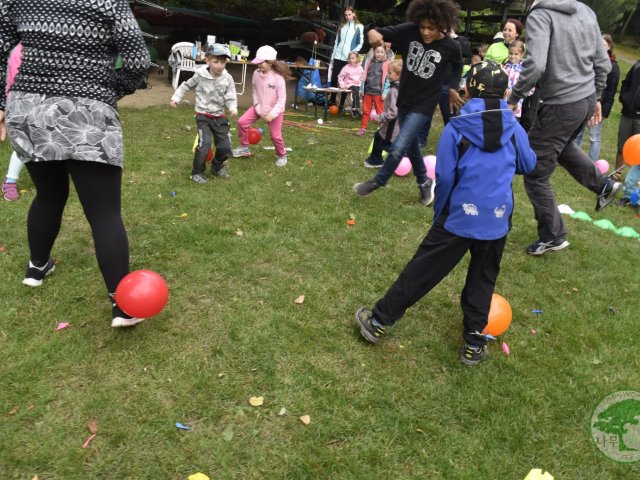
column 355, row 98
column 437, row 255
column 99, row 188
column 211, row 128
column 335, row 71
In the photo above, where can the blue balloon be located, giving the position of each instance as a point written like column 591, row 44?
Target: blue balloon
column 634, row 197
column 261, row 131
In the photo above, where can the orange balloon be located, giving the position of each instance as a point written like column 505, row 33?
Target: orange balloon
column 499, row 316
column 631, row 150
column 333, row 110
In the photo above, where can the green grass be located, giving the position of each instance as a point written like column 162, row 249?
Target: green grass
column 246, row 250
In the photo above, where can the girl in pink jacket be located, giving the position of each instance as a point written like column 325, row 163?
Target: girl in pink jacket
column 351, row 76
column 269, row 100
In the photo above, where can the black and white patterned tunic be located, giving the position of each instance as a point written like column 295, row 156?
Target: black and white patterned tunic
column 62, row 104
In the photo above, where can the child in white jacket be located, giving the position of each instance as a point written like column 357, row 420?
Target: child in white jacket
column 215, row 90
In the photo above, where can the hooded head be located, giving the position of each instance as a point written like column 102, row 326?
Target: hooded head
column 487, row 79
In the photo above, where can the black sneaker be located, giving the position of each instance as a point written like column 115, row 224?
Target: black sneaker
column 369, row 164
column 365, row 188
column 472, row 355
column 427, row 191
column 35, row 275
column 539, row 247
column 623, row 202
column 370, row 328
column 608, row 194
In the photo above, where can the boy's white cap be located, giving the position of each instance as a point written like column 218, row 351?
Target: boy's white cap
column 265, row 53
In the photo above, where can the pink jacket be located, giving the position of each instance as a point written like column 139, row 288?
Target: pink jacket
column 15, row 60
column 351, row 75
column 269, row 93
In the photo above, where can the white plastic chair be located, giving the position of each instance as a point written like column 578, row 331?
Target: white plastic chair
column 179, row 62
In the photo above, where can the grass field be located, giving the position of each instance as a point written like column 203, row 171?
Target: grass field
column 236, row 255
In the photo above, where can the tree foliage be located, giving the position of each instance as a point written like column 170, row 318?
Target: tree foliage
column 611, row 13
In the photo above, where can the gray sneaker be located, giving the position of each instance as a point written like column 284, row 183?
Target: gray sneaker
column 608, row 194
column 241, row 152
column 365, row 188
column 370, row 329
column 199, row 178
column 281, row 161
column 472, row 355
column 427, row 191
column 221, row 173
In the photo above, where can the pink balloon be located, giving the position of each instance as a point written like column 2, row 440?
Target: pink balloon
column 602, row 166
column 373, row 114
column 430, row 165
column 404, row 167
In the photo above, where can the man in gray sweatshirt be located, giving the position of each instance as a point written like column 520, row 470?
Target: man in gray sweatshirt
column 566, row 59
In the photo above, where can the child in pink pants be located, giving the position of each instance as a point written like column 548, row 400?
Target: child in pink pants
column 269, row 100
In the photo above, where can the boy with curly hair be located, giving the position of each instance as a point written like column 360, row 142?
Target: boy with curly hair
column 427, row 52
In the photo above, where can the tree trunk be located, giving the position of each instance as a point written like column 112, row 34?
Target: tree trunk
column 628, row 20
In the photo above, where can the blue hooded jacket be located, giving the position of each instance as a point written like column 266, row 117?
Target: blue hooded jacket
column 473, row 197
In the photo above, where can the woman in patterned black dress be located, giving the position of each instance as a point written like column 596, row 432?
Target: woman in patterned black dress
column 60, row 116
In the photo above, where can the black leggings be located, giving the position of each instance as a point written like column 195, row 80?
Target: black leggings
column 98, row 186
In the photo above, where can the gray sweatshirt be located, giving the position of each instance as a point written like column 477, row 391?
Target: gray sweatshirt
column 564, row 53
column 212, row 94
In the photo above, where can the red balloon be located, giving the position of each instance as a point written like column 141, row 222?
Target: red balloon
column 499, row 316
column 631, row 150
column 142, row 294
column 254, row 136
column 210, row 155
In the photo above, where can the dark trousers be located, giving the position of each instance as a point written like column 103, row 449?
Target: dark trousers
column 437, row 255
column 211, row 128
column 551, row 138
column 98, row 186
column 335, row 71
column 355, row 98
column 379, row 145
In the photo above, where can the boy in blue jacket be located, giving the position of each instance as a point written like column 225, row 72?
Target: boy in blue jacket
column 478, row 154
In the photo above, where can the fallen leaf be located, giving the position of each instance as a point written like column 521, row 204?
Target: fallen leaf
column 3, row 249
column 282, row 412
column 419, row 430
column 182, row 215
column 305, row 419
column 30, row 407
column 299, row 300
column 334, row 441
column 256, row 401
column 288, row 184
column 162, row 172
column 221, row 374
column 308, row 163
column 239, row 233
column 159, row 195
column 198, row 476
column 574, row 289
column 12, row 411
column 92, row 425
column 596, row 361
column 227, row 434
